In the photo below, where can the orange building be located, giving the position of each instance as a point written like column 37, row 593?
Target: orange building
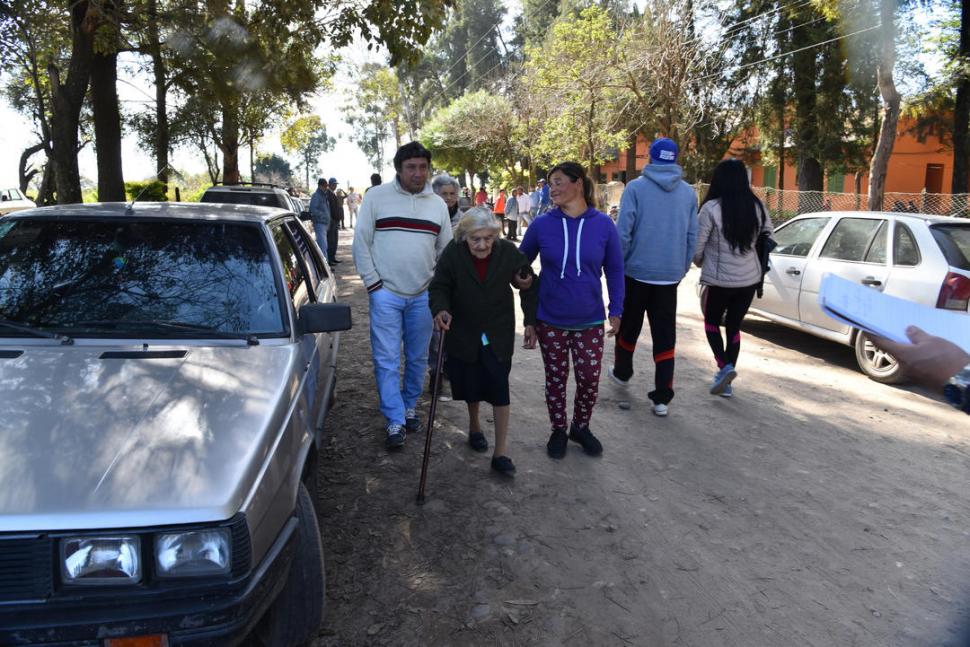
column 913, row 166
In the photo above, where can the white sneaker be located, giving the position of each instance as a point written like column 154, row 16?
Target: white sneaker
column 660, row 410
column 617, row 381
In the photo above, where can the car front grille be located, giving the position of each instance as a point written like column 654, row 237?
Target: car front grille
column 25, row 567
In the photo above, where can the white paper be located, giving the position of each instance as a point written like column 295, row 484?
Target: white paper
column 887, row 316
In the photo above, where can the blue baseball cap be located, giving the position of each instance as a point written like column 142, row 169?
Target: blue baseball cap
column 333, row 180
column 663, row 150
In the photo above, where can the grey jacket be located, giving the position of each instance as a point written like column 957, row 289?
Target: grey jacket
column 720, row 265
column 320, row 208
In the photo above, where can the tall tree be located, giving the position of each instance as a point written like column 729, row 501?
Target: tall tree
column 104, row 103
column 961, row 112
column 889, row 114
column 307, row 138
column 374, row 107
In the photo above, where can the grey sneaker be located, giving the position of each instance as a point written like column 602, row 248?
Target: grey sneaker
column 617, row 381
column 411, row 422
column 395, row 437
column 723, row 378
column 728, row 392
column 660, row 410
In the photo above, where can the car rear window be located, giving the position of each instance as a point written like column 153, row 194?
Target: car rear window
column 954, row 242
column 65, row 274
column 245, row 197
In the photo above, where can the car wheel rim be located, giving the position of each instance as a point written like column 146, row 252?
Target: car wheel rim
column 879, row 360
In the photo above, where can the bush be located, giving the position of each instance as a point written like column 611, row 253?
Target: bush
column 149, row 191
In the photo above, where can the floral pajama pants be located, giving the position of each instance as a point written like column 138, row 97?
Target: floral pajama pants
column 586, row 348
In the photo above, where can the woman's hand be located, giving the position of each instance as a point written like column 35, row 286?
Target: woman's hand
column 442, row 320
column 523, row 278
column 614, row 326
column 928, row 359
column 529, row 337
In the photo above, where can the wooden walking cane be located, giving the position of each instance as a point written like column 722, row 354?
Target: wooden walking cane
column 434, row 406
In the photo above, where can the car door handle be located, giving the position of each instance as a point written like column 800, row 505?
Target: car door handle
column 871, row 280
column 792, row 271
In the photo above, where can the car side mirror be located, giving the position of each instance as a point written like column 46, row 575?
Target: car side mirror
column 4, row 198
column 323, row 317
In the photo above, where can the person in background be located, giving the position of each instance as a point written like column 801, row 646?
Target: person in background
column 472, row 300
column 511, row 215
column 934, row 362
column 465, row 202
column 730, row 220
column 524, row 215
column 402, row 228
column 446, row 187
column 353, row 202
column 545, row 198
column 576, row 244
column 658, row 229
column 498, row 208
column 481, row 197
column 375, row 180
column 320, row 215
column 336, row 217
column 534, row 197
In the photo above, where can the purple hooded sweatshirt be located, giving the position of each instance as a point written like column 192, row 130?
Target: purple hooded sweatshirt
column 574, row 253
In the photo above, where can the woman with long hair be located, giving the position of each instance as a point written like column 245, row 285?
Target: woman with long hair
column 730, row 220
column 576, row 245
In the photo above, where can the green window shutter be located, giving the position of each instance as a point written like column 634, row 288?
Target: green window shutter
column 837, row 183
column 770, row 177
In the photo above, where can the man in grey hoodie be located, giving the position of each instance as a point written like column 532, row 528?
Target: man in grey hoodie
column 658, row 229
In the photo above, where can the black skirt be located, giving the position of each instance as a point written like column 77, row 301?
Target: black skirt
column 486, row 380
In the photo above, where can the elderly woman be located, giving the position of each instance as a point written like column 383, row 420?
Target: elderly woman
column 471, row 298
column 447, row 188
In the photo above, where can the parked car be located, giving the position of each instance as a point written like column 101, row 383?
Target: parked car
column 14, row 200
column 260, row 194
column 165, row 373
column 916, row 257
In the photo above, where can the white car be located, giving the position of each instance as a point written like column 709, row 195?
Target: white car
column 916, row 257
column 13, row 200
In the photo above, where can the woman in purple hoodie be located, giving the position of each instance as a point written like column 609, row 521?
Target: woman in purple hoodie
column 576, row 244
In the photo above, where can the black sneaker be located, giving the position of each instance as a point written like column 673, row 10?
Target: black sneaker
column 478, row 442
column 412, row 424
column 395, row 437
column 503, row 465
column 583, row 436
column 556, row 447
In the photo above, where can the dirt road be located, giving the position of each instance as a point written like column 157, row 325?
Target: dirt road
column 816, row 507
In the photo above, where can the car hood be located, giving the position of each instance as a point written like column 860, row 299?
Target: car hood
column 92, row 442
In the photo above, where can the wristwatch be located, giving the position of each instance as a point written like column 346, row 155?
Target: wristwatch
column 957, row 390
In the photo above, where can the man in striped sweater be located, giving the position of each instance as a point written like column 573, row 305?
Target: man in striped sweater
column 402, row 228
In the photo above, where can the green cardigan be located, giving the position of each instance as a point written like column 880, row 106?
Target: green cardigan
column 478, row 307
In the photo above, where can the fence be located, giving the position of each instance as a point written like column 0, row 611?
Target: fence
column 784, row 205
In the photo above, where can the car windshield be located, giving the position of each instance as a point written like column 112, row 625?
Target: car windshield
column 89, row 277
column 259, row 199
column 954, row 241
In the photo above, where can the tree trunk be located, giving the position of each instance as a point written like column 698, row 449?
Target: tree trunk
column 45, row 194
column 230, row 143
column 252, row 160
column 26, row 176
column 961, row 113
column 160, row 74
column 631, row 158
column 67, row 100
column 806, row 117
column 890, row 106
column 107, row 126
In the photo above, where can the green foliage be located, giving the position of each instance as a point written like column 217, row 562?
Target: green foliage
column 376, row 110
column 146, row 191
column 273, row 169
column 307, row 138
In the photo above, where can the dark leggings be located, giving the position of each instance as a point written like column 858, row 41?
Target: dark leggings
column 728, row 305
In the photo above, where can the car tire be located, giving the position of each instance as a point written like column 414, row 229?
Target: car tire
column 877, row 364
column 297, row 613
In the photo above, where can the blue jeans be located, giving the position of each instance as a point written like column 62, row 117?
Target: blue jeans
column 395, row 320
column 320, row 233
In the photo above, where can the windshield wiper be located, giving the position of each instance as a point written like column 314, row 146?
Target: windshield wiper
column 177, row 326
column 37, row 332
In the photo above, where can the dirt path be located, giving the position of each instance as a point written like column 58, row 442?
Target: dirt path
column 814, row 508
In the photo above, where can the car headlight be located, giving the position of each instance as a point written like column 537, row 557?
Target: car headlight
column 101, row 560
column 193, row 553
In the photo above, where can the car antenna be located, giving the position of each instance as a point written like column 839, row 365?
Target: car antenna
column 130, row 207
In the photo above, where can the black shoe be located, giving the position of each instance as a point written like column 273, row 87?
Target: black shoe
column 585, row 437
column 412, row 424
column 395, row 437
column 556, row 447
column 478, row 442
column 335, row 262
column 503, row 465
